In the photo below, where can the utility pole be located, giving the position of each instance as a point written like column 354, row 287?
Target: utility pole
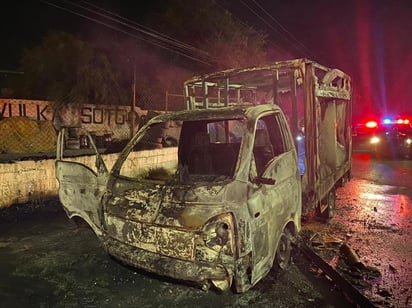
column 132, row 113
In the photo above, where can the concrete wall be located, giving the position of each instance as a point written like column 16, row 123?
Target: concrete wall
column 35, row 181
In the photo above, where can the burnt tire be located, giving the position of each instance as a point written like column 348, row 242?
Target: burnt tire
column 330, row 202
column 283, row 256
column 79, row 222
column 344, row 180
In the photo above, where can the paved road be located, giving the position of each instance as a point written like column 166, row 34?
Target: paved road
column 48, row 261
column 376, row 210
column 374, row 219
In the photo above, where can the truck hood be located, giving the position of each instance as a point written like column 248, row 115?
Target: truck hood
column 186, row 206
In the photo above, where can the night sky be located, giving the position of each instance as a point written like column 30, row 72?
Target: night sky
column 371, row 40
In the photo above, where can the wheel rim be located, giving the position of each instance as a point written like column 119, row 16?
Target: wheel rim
column 331, row 203
column 283, row 252
column 327, row 205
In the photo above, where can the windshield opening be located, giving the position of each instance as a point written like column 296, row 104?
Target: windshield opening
column 154, row 156
column 186, row 151
column 210, row 148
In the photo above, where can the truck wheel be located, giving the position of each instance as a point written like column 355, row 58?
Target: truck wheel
column 327, row 206
column 283, row 251
column 343, row 180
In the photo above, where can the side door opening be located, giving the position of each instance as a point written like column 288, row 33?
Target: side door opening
column 274, row 189
column 81, row 182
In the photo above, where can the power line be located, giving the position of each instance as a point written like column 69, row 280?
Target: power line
column 281, row 26
column 269, row 25
column 292, row 43
column 160, row 44
column 11, row 72
column 139, row 27
column 242, row 22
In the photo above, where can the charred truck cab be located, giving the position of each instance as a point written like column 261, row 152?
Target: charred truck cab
column 221, row 208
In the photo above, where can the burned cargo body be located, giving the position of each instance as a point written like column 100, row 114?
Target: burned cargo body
column 317, row 103
column 221, row 207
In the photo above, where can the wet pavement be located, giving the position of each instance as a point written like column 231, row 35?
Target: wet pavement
column 47, row 260
column 374, row 219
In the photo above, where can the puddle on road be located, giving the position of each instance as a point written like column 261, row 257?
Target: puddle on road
column 375, row 221
column 387, row 212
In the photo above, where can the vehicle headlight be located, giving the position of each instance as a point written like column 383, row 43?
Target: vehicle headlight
column 218, row 234
column 408, row 141
column 375, row 140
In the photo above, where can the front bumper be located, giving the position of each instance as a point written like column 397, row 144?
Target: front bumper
column 198, row 273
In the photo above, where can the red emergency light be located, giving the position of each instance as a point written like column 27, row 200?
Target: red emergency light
column 371, row 124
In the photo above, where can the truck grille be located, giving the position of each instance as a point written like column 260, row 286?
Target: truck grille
column 164, row 241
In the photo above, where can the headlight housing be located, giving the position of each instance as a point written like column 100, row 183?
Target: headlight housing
column 218, row 235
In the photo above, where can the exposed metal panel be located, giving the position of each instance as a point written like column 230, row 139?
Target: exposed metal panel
column 164, row 241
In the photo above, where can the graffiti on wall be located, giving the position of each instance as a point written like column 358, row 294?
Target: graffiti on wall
column 38, row 110
column 100, row 119
column 100, row 115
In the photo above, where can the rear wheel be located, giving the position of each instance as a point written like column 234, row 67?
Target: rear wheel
column 344, row 179
column 284, row 251
column 327, row 205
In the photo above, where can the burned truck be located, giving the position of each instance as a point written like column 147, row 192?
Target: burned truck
column 317, row 104
column 221, row 208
